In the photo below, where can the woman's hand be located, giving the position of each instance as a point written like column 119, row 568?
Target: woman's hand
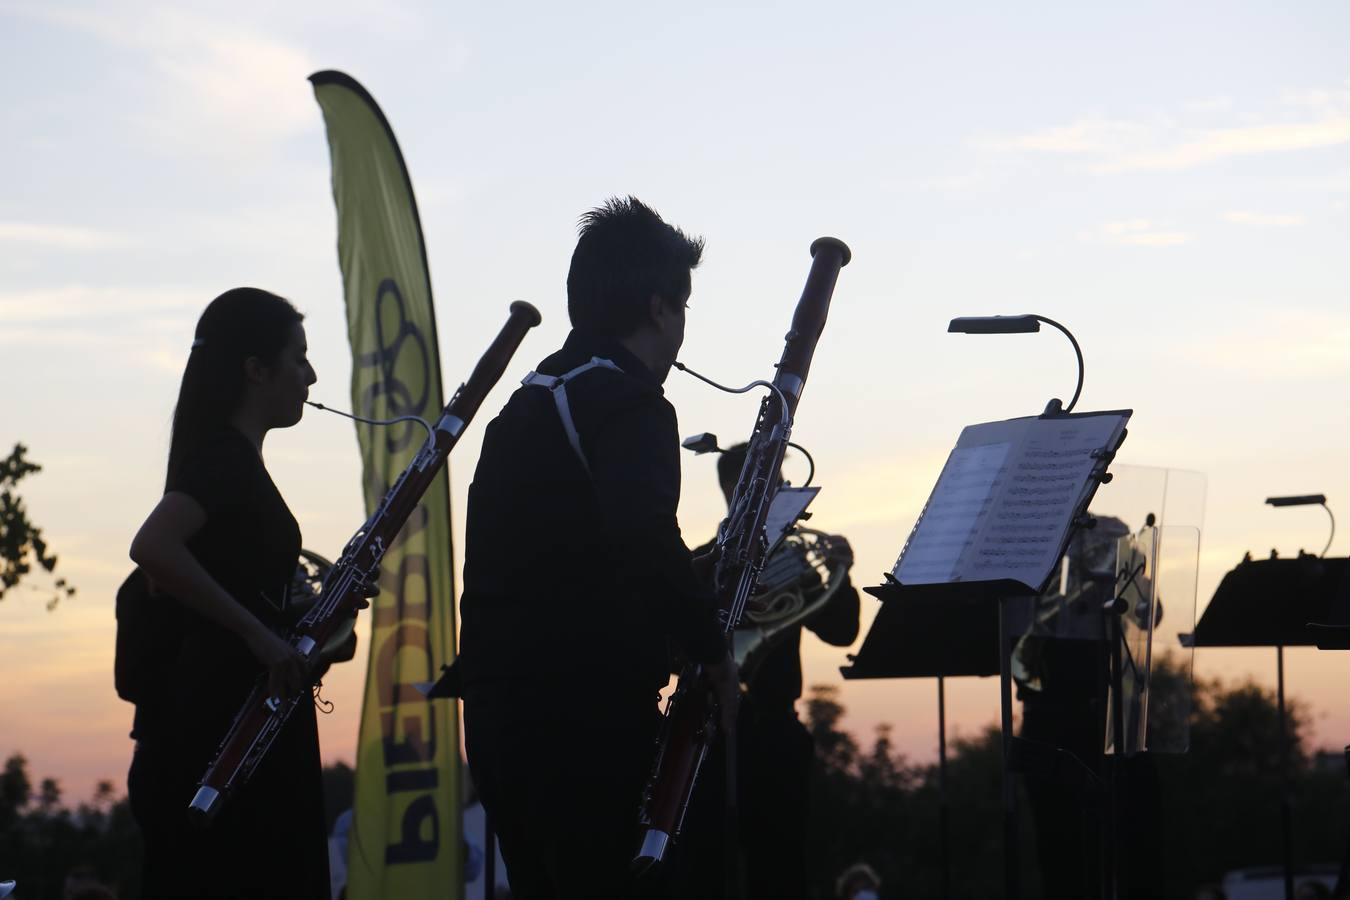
column 160, row 549
column 287, row 670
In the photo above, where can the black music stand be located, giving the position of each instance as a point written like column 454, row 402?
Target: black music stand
column 1334, row 634
column 1270, row 603
column 954, row 603
column 929, row 637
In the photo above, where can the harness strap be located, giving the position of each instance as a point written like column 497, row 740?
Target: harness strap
column 557, row 385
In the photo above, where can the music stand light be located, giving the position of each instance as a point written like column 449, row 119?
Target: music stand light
column 1023, row 324
column 1308, row 500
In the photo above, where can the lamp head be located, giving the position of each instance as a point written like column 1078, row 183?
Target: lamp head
column 994, row 325
column 1299, row 500
column 701, row 443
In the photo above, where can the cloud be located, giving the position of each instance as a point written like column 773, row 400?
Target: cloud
column 214, row 86
column 1136, row 233
column 1305, row 121
column 1246, row 217
column 59, row 305
column 1091, row 135
column 1277, row 343
column 1216, row 144
column 64, row 237
column 148, row 327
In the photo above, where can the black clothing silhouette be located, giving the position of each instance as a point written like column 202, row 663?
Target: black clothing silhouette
column 774, row 756
column 269, row 840
column 576, row 580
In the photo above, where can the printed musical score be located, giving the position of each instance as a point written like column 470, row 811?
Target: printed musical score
column 1004, row 503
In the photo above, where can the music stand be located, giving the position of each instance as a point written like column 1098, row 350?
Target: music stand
column 1270, row 603
column 993, row 530
column 917, row 636
column 1334, row 635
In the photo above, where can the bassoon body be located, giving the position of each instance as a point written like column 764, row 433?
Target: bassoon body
column 690, row 722
column 349, row 581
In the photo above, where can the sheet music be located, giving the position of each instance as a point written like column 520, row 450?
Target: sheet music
column 787, row 507
column 959, row 505
column 1006, row 498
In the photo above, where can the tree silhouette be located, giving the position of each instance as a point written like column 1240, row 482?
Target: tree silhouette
column 21, row 542
column 1220, row 800
column 1220, row 805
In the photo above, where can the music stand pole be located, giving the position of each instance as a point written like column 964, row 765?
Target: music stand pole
column 1111, row 862
column 490, row 863
column 1010, row 843
column 1286, row 812
column 944, row 849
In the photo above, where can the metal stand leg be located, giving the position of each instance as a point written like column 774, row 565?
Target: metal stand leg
column 1115, row 763
column 1010, row 843
column 1286, row 807
column 1342, row 888
column 943, row 836
column 490, row 858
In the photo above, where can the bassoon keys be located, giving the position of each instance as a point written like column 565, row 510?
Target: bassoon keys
column 690, row 722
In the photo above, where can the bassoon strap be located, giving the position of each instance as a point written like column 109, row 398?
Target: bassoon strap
column 557, row 385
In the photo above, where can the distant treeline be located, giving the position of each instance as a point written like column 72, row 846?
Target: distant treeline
column 1220, row 807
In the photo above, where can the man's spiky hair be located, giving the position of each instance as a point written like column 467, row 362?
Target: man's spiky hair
column 625, row 255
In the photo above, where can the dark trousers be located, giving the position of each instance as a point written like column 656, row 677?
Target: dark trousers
column 1069, row 822
column 765, row 857
column 561, row 774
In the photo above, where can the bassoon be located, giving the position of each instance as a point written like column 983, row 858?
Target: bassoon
column 351, row 579
column 690, row 722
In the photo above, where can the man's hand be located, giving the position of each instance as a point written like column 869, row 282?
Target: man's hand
column 706, row 562
column 839, row 551
column 724, row 681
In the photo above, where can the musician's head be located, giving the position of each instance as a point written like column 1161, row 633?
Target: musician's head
column 729, row 465
column 630, row 280
column 858, row 881
column 248, row 359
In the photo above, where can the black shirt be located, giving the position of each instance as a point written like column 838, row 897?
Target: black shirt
column 569, row 572
column 250, row 545
column 776, row 682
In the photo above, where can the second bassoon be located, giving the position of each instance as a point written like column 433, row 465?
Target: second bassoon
column 690, row 722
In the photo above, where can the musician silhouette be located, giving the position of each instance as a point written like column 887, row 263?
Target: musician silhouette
column 222, row 546
column 576, row 579
column 774, row 751
column 1061, row 666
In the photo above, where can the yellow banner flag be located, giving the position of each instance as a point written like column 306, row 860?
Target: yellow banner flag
column 405, row 839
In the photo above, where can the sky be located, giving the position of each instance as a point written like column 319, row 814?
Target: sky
column 1171, row 182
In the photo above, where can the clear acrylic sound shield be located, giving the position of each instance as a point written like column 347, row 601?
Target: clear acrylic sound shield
column 1158, row 514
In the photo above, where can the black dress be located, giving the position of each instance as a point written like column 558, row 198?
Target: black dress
column 269, row 839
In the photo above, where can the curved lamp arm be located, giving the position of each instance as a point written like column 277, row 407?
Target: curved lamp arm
column 1020, row 325
column 1308, row 500
column 1077, row 352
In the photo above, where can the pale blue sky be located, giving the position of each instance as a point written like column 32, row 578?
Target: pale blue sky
column 1170, row 182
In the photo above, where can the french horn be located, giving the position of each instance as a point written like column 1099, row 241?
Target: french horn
column 799, row 579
